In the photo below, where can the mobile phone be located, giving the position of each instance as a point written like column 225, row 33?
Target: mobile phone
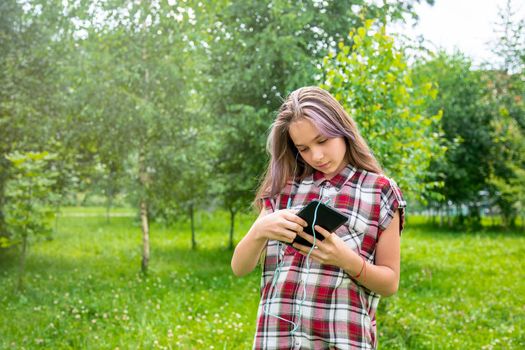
column 328, row 218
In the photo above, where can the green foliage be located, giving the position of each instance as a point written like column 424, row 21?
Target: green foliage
column 372, row 80
column 29, row 91
column 28, row 195
column 466, row 124
column 507, row 166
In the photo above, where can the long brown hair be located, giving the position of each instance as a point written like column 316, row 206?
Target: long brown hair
column 327, row 114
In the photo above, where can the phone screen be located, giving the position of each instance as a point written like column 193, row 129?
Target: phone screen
column 327, row 217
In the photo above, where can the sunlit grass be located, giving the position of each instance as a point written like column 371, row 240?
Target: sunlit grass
column 84, row 289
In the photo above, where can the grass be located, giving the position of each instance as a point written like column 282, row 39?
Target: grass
column 84, row 289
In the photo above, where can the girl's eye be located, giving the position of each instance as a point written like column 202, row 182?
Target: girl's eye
column 303, row 150
column 323, row 141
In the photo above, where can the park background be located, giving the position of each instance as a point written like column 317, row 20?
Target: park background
column 132, row 139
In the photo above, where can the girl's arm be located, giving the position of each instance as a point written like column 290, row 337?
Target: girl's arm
column 381, row 277
column 248, row 251
column 282, row 225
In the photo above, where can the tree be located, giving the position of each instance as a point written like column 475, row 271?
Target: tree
column 27, row 77
column 28, row 193
column 506, row 98
column 373, row 82
column 132, row 87
column 510, row 44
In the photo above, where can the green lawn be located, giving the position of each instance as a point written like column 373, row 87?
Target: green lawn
column 84, row 289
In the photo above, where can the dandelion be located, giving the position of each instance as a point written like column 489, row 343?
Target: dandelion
column 93, row 321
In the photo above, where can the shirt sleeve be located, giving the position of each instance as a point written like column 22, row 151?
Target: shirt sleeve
column 391, row 200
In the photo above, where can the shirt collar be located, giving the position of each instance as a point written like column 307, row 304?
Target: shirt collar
column 338, row 180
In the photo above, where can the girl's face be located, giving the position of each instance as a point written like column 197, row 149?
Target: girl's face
column 324, row 154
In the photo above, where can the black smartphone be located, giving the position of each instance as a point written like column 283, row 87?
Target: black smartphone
column 328, row 218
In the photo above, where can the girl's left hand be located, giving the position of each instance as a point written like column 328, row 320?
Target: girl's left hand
column 331, row 251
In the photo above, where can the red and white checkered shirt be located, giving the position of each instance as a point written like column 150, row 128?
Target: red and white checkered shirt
column 337, row 312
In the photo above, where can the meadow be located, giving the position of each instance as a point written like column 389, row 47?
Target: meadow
column 84, row 289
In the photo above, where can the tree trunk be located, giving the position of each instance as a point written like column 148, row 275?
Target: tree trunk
column 232, row 227
column 143, row 178
column 22, row 263
column 192, row 221
column 57, row 214
column 449, row 216
column 109, row 203
column 145, row 235
column 3, row 228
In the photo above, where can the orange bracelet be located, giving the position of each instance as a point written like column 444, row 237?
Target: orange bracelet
column 363, row 268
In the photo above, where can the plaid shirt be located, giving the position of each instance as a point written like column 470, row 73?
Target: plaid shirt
column 337, row 312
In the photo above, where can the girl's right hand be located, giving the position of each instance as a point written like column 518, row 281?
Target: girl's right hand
column 281, row 225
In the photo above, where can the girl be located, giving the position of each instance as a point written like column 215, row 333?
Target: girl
column 324, row 296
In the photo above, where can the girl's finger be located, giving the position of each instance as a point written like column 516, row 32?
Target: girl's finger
column 302, row 249
column 290, row 235
column 293, row 226
column 306, row 236
column 293, row 217
column 322, row 231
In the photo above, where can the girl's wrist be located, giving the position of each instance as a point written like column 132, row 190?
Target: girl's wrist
column 353, row 265
column 257, row 234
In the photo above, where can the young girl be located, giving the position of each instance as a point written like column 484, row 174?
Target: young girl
column 323, row 296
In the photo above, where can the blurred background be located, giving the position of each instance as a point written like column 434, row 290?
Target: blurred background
column 132, row 140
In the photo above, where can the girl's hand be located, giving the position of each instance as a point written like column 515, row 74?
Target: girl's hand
column 330, row 251
column 281, row 225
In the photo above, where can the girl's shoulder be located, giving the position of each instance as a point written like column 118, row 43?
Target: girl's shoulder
column 369, row 179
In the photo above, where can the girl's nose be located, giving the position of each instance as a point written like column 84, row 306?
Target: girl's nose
column 317, row 155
